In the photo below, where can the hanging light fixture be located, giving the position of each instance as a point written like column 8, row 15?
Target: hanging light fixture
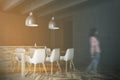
column 30, row 21
column 52, row 24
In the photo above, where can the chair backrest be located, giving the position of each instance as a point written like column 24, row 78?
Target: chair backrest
column 48, row 51
column 69, row 54
column 39, row 56
column 18, row 52
column 55, row 55
column 31, row 50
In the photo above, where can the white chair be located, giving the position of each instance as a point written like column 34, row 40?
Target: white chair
column 68, row 57
column 54, row 57
column 31, row 51
column 18, row 52
column 39, row 56
column 48, row 52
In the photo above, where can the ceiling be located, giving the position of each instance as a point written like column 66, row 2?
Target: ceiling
column 40, row 8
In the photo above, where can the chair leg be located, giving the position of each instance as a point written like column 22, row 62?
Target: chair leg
column 40, row 68
column 51, row 68
column 45, row 68
column 18, row 66
column 70, row 65
column 34, row 68
column 13, row 66
column 66, row 67
column 59, row 66
column 29, row 66
column 73, row 65
column 34, row 71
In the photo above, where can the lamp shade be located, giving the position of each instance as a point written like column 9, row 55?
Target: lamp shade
column 30, row 21
column 52, row 24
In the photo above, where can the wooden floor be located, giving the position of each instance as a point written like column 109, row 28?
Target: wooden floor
column 6, row 73
column 11, row 71
column 56, row 76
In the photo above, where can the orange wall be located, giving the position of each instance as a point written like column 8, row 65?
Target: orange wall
column 14, row 32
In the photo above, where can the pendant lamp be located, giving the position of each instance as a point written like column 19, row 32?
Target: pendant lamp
column 52, row 24
column 30, row 21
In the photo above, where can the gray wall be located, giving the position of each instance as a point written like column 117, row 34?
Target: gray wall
column 105, row 15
